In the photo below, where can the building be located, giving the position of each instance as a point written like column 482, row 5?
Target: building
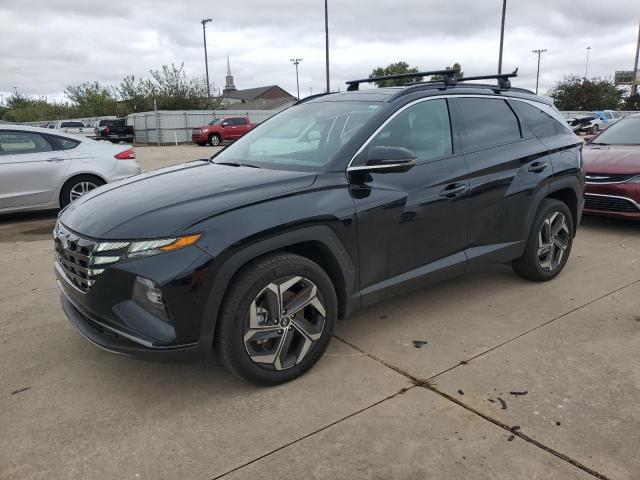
column 270, row 97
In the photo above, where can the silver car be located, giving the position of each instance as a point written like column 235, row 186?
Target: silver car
column 42, row 169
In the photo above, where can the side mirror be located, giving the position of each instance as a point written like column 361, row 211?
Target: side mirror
column 387, row 159
column 225, row 124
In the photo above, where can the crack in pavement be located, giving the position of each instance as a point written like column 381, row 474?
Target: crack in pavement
column 426, row 384
column 465, row 362
column 282, row 447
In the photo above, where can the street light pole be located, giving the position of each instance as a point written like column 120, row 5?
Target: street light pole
column 586, row 66
column 296, row 62
column 539, row 52
column 326, row 41
column 204, row 22
column 635, row 82
column 504, row 13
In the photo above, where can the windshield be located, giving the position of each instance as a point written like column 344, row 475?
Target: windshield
column 623, row 132
column 304, row 137
column 214, row 122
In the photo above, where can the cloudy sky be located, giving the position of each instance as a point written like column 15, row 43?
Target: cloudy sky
column 48, row 44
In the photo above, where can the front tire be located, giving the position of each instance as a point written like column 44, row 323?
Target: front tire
column 549, row 243
column 277, row 319
column 214, row 140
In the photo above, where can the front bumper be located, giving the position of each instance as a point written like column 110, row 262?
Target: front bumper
column 199, row 137
column 106, row 314
column 616, row 200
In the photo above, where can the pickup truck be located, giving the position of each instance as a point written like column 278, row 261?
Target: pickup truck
column 221, row 130
column 115, row 130
column 72, row 126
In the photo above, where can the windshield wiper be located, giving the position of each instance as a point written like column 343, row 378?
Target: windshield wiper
column 235, row 164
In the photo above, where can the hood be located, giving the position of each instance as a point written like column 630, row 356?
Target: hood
column 168, row 201
column 611, row 159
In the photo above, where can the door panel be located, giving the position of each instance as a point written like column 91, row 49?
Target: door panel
column 29, row 178
column 412, row 225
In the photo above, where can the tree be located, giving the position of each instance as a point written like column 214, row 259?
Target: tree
column 395, row 69
column 576, row 93
column 632, row 102
column 92, row 99
column 456, row 66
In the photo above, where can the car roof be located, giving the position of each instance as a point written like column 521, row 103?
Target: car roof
column 29, row 128
column 390, row 94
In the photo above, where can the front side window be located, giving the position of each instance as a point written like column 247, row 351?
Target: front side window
column 623, row 132
column 240, row 121
column 303, row 137
column 423, row 128
column 488, row 122
column 16, row 143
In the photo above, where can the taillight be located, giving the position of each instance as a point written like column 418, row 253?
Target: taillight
column 126, row 155
column 106, row 131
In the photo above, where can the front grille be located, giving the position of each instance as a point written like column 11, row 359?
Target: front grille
column 608, row 177
column 613, row 204
column 77, row 257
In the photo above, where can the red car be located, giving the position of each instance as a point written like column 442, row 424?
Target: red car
column 221, row 130
column 612, row 167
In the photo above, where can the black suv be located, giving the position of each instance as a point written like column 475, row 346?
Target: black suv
column 329, row 206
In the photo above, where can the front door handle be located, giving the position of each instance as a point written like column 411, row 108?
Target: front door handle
column 55, row 159
column 537, row 167
column 452, row 190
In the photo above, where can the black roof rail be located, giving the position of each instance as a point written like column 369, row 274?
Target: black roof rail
column 503, row 78
column 449, row 75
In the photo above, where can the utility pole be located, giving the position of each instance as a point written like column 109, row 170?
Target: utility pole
column 504, row 13
column 636, row 80
column 296, row 62
column 586, row 66
column 539, row 52
column 326, row 40
column 204, row 22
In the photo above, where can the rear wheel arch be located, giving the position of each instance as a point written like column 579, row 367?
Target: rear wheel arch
column 75, row 177
column 569, row 197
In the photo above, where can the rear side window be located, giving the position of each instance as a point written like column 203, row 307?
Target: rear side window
column 488, row 122
column 16, row 143
column 541, row 124
column 65, row 143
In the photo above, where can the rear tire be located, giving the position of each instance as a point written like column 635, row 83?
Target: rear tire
column 261, row 342
column 549, row 242
column 78, row 186
column 214, row 140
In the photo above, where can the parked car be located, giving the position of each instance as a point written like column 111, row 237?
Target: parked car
column 585, row 124
column 612, row 164
column 115, row 130
column 337, row 202
column 41, row 169
column 608, row 117
column 221, row 130
column 73, row 126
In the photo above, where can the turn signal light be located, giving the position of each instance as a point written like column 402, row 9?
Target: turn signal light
column 182, row 242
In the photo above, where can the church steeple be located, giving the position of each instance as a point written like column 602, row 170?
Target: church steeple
column 229, row 87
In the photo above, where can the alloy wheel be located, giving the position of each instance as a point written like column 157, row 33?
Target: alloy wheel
column 283, row 322
column 215, row 140
column 553, row 241
column 80, row 189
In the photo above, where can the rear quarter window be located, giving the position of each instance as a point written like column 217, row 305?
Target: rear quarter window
column 488, row 122
column 541, row 124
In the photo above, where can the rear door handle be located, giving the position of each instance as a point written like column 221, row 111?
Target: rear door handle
column 452, row 190
column 537, row 167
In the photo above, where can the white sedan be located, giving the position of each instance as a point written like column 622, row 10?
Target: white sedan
column 42, row 169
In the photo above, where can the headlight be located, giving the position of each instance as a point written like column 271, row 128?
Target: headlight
column 114, row 251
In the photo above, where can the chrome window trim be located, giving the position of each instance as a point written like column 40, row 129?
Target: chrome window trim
column 549, row 110
column 633, row 202
column 632, row 179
